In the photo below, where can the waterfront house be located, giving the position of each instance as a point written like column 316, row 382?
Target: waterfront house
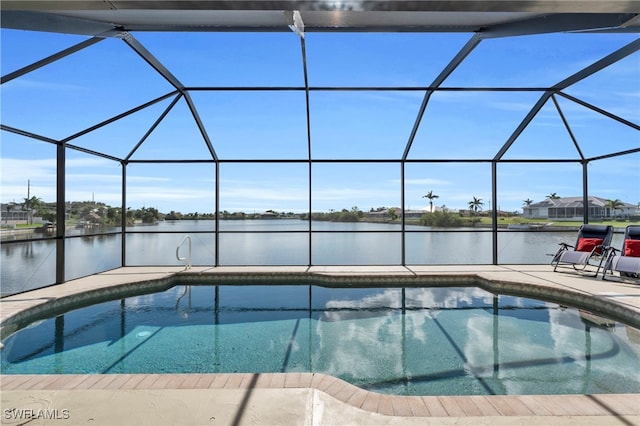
column 572, row 208
column 13, row 213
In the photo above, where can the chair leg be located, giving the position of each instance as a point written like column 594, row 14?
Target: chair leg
column 604, row 258
column 556, row 258
column 608, row 264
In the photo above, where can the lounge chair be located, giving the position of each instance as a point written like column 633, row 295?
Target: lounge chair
column 589, row 251
column 626, row 261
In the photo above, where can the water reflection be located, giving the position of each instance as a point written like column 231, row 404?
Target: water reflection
column 429, row 341
column 240, row 244
column 27, row 265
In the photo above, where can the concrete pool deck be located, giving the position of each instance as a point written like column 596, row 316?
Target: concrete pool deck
column 300, row 398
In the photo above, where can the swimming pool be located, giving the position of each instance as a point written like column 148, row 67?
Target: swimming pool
column 407, row 341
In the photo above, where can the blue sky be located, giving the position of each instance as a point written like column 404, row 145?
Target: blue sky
column 108, row 78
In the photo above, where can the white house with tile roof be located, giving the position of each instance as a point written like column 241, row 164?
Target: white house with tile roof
column 572, row 208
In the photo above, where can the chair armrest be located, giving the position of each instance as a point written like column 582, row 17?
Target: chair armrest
column 601, row 250
column 612, row 250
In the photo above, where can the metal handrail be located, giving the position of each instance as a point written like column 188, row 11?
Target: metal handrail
column 186, row 260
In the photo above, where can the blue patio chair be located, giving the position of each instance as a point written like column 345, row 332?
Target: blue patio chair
column 626, row 261
column 588, row 253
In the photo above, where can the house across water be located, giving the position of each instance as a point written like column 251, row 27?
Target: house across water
column 572, row 208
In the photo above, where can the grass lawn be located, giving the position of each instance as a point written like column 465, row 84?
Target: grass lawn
column 26, row 226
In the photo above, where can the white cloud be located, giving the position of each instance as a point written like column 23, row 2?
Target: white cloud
column 30, row 84
column 18, row 174
column 511, row 106
column 353, row 194
column 16, row 169
column 425, row 181
column 153, row 193
column 135, row 179
column 253, row 193
column 109, row 196
column 90, row 162
column 92, row 178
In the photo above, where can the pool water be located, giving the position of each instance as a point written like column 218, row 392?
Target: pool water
column 406, row 341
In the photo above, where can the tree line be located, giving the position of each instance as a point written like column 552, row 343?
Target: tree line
column 102, row 214
column 84, row 211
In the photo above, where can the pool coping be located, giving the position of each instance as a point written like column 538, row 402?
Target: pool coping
column 621, row 299
column 575, row 405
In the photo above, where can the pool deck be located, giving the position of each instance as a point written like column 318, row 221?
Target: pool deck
column 301, row 398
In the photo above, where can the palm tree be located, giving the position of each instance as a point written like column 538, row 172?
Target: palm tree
column 31, row 204
column 475, row 205
column 431, row 196
column 614, row 205
column 553, row 196
column 527, row 202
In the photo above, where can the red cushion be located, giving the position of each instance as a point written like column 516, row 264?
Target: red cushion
column 588, row 244
column 632, row 248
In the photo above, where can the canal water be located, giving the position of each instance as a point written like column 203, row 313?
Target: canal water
column 29, row 265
